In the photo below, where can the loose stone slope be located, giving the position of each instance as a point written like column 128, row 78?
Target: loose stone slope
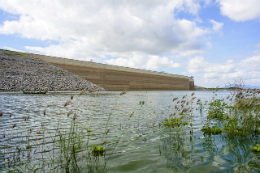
column 21, row 71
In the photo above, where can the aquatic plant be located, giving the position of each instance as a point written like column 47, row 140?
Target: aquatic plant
column 216, row 109
column 255, row 148
column 89, row 130
column 174, row 122
column 211, row 130
column 95, row 148
column 141, row 103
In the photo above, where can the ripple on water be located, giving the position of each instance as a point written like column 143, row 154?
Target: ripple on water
column 137, row 142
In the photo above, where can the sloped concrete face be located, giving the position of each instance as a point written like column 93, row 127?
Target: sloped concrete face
column 118, row 78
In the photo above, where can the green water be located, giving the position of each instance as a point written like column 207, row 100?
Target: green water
column 135, row 141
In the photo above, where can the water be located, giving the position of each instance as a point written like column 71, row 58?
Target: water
column 134, row 144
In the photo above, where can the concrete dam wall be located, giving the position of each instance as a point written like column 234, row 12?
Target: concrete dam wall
column 118, row 78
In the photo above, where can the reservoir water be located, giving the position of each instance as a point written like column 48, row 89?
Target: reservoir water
column 128, row 127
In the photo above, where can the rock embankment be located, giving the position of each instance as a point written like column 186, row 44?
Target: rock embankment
column 21, row 71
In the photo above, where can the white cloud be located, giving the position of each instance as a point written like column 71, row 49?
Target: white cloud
column 258, row 45
column 240, row 10
column 94, row 29
column 144, row 61
column 222, row 79
column 227, row 67
column 197, row 65
column 219, row 74
column 217, row 26
column 252, row 63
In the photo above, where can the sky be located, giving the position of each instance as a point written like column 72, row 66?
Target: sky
column 216, row 42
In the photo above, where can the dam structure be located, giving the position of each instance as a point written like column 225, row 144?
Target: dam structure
column 119, row 78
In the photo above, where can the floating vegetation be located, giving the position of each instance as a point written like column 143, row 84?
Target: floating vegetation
column 98, row 150
column 255, row 148
column 89, row 130
column 174, row 122
column 211, row 130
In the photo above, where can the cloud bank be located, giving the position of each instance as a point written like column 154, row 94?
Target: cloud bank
column 97, row 29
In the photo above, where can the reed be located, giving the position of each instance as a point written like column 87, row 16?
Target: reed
column 238, row 119
column 69, row 148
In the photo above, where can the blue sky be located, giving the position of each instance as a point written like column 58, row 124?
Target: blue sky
column 217, row 42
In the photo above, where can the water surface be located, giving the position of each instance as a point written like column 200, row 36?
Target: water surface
column 134, row 144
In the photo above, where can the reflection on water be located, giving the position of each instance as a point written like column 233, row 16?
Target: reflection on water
column 131, row 134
